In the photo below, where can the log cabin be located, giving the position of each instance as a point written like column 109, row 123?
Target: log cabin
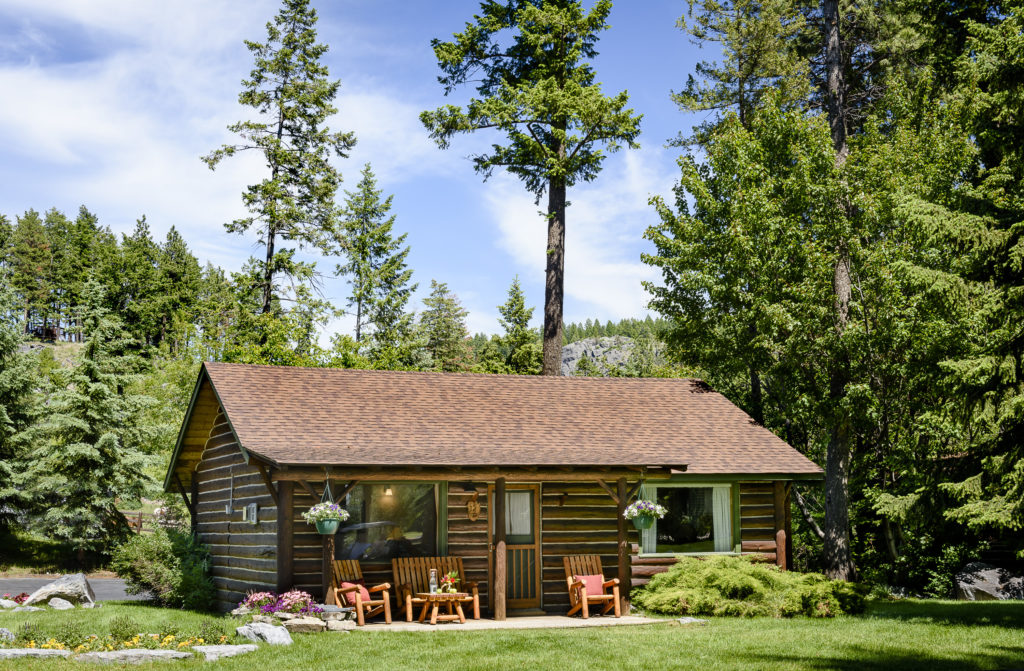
column 511, row 473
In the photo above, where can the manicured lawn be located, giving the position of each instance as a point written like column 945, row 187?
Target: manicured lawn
column 932, row 635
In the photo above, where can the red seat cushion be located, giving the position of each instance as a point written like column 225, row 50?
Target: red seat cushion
column 593, row 583
column 351, row 596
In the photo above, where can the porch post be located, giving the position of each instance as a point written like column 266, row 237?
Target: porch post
column 285, row 535
column 500, row 554
column 328, row 566
column 625, row 569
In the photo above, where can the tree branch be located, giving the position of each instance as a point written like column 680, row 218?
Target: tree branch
column 807, row 514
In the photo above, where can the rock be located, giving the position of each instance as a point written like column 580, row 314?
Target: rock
column 211, row 653
column 281, row 615
column 266, row 619
column 691, row 621
column 984, row 582
column 14, row 653
column 610, row 351
column 74, row 588
column 340, row 625
column 26, row 609
column 92, row 605
column 6, row 635
column 304, row 625
column 58, row 603
column 337, row 613
column 261, row 631
column 132, row 656
column 241, row 610
column 7, row 603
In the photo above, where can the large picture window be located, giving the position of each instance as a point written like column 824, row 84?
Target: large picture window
column 388, row 521
column 699, row 519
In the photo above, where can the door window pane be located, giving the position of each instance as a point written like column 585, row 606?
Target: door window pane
column 519, row 516
column 689, row 524
column 388, row 521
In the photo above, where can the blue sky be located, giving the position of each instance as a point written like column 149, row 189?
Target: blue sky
column 110, row 103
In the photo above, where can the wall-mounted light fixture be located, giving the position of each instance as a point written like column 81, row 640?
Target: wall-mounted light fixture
column 388, row 492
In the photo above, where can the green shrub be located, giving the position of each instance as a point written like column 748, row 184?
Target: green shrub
column 124, row 627
column 740, row 587
column 171, row 565
column 69, row 633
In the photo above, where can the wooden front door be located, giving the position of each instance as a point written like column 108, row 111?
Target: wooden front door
column 522, row 544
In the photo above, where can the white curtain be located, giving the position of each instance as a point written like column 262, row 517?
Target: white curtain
column 722, row 501
column 648, row 537
column 517, row 517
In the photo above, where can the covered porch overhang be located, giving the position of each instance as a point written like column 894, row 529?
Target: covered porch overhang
column 620, row 482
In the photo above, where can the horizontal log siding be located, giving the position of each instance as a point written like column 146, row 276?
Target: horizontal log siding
column 242, row 555
column 576, row 518
column 757, row 511
column 468, row 539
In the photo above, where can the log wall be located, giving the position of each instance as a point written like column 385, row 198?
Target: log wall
column 468, row 538
column 242, row 555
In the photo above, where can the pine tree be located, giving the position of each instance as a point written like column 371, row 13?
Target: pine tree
column 18, row 381
column 443, row 328
column 179, row 279
column 377, row 270
column 31, row 268
column 88, row 450
column 291, row 91
column 541, row 92
column 520, row 341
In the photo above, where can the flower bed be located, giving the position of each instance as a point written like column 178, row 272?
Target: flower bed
column 295, row 601
column 19, row 599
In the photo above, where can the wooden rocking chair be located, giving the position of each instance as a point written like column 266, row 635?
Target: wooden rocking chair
column 585, row 578
column 364, row 601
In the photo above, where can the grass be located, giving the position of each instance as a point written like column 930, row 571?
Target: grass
column 24, row 554
column 935, row 635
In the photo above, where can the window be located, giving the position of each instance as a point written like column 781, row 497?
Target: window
column 387, row 521
column 699, row 519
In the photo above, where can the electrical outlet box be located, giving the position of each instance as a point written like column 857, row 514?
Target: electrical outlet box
column 249, row 513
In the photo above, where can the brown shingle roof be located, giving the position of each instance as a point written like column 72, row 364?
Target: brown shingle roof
column 360, row 417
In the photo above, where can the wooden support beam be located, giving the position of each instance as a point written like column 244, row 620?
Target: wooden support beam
column 500, row 552
column 266, row 480
column 327, row 567
column 344, row 492
column 285, row 537
column 308, row 487
column 608, row 489
column 780, row 503
column 625, row 574
column 789, row 526
column 518, row 474
column 184, row 495
column 633, row 490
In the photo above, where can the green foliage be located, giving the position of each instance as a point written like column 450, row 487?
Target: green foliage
column 442, row 327
column 378, row 274
column 520, row 343
column 124, row 628
column 18, row 383
column 740, row 587
column 169, row 564
column 292, row 95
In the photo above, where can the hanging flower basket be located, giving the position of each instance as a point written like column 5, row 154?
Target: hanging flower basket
column 326, row 517
column 643, row 513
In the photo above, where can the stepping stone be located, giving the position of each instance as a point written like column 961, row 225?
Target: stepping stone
column 58, row 603
column 15, row 653
column 26, row 609
column 214, row 652
column 133, row 656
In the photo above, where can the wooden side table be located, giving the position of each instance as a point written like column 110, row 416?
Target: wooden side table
column 451, row 601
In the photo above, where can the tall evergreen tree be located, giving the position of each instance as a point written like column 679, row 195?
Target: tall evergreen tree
column 376, row 266
column 18, row 382
column 179, row 280
column 292, row 94
column 523, row 356
column 443, row 328
column 31, row 268
column 540, row 91
column 88, row 450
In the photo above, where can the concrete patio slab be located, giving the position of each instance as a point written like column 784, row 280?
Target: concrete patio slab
column 531, row 622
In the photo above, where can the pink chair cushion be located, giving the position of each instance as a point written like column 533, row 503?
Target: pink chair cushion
column 593, row 583
column 351, row 596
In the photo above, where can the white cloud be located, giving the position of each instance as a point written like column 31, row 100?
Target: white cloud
column 604, row 226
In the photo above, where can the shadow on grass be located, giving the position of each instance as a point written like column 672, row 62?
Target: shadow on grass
column 859, row 658
column 40, row 555
column 973, row 613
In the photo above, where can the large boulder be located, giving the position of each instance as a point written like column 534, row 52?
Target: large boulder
column 261, row 631
column 984, row 582
column 75, row 588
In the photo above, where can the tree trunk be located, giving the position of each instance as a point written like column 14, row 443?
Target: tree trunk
column 756, row 398
column 838, row 561
column 555, row 278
